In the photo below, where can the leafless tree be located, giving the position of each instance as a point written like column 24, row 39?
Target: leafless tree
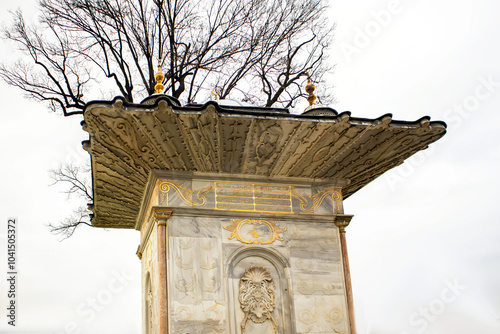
column 253, row 50
column 76, row 180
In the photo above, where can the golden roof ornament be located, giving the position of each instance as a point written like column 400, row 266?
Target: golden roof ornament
column 215, row 93
column 310, row 90
column 310, row 87
column 159, row 77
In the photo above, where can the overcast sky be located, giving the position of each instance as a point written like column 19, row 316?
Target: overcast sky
column 424, row 244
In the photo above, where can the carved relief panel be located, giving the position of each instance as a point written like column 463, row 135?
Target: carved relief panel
column 257, row 297
column 195, row 276
column 316, row 270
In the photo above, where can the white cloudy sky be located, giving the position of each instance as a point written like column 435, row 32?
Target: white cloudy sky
column 426, row 226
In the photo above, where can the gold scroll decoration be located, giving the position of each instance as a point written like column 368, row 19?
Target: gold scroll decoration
column 254, row 231
column 317, row 199
column 184, row 194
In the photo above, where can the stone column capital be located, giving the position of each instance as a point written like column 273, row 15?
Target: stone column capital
column 161, row 216
column 342, row 221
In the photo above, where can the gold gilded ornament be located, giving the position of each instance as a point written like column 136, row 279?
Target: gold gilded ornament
column 261, row 232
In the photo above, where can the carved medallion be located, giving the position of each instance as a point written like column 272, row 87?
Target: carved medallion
column 257, row 297
column 252, row 231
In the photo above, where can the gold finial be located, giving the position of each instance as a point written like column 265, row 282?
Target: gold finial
column 215, row 93
column 310, row 90
column 159, row 77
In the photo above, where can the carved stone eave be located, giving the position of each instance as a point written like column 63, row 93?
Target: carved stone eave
column 127, row 141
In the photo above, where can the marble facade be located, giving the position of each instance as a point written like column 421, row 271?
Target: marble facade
column 287, row 227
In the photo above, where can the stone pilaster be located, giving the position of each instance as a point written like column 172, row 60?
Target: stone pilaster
column 342, row 221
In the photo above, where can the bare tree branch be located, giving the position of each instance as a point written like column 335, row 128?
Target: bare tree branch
column 256, row 50
column 76, row 179
column 67, row 227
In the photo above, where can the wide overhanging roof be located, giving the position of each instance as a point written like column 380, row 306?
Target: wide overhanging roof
column 127, row 141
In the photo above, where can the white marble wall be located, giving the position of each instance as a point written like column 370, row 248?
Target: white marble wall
column 208, row 251
column 205, row 267
column 316, row 270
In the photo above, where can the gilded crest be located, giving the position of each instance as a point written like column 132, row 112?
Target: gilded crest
column 255, row 231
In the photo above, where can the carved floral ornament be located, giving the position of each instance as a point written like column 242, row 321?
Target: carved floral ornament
column 257, row 297
column 252, row 231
